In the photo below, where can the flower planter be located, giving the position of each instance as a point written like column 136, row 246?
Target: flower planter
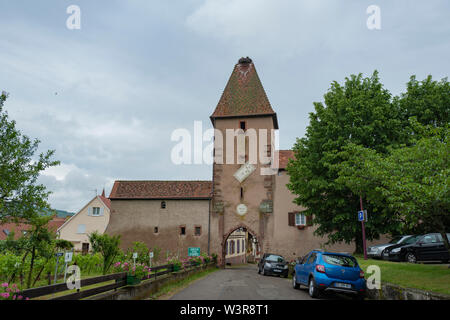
column 300, row 227
column 176, row 268
column 132, row 280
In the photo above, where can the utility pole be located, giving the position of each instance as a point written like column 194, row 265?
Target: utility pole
column 363, row 229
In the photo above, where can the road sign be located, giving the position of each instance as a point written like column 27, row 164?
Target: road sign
column 151, row 254
column 59, row 254
column 360, row 215
column 68, row 257
column 134, row 255
column 193, row 252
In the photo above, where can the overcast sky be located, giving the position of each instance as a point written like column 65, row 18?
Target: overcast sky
column 108, row 96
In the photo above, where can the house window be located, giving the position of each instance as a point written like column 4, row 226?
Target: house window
column 300, row 219
column 155, row 230
column 182, row 231
column 238, row 246
column 242, row 125
column 163, row 204
column 81, row 228
column 95, row 211
column 198, row 231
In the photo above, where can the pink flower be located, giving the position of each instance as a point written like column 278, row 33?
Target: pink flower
column 5, row 295
column 27, row 298
column 5, row 284
column 19, row 297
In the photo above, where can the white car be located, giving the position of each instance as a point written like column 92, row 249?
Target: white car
column 376, row 251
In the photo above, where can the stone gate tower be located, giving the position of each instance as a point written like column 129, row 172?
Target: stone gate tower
column 242, row 195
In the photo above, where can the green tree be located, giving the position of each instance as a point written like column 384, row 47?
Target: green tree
column 20, row 196
column 359, row 112
column 427, row 100
column 412, row 181
column 107, row 246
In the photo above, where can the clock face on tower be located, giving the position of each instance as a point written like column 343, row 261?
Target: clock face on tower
column 241, row 209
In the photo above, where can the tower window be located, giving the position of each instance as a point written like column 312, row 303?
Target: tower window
column 182, row 230
column 242, row 125
column 242, row 193
column 156, row 230
column 163, row 204
column 198, row 231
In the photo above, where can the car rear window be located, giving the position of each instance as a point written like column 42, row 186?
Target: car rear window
column 338, row 260
column 275, row 258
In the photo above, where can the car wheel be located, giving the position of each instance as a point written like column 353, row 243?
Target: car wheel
column 410, row 257
column 264, row 272
column 295, row 285
column 312, row 290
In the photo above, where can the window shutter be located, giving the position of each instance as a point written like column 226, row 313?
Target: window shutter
column 309, row 221
column 90, row 211
column 101, row 211
column 291, row 218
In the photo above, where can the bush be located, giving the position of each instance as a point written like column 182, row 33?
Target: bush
column 142, row 252
column 10, row 292
column 140, row 270
column 107, row 246
column 9, row 264
column 89, row 263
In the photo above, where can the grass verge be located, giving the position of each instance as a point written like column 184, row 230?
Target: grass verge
column 169, row 289
column 427, row 277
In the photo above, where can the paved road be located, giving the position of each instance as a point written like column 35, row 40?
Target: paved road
column 241, row 283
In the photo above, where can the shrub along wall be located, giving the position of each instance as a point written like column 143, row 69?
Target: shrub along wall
column 148, row 287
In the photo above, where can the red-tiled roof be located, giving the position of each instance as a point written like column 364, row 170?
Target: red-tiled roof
column 161, row 190
column 284, row 156
column 105, row 200
column 53, row 225
column 244, row 94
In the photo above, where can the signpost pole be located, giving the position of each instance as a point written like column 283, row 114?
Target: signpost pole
column 56, row 267
column 363, row 230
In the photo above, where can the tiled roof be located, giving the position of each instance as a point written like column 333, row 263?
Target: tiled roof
column 284, row 156
column 53, row 225
column 106, row 201
column 244, row 94
column 161, row 190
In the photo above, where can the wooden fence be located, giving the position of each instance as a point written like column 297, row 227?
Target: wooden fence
column 120, row 281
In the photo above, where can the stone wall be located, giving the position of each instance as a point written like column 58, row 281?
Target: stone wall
column 394, row 292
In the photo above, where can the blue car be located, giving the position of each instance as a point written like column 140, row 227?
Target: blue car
column 329, row 271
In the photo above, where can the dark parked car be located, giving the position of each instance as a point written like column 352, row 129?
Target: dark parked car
column 428, row 247
column 273, row 264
